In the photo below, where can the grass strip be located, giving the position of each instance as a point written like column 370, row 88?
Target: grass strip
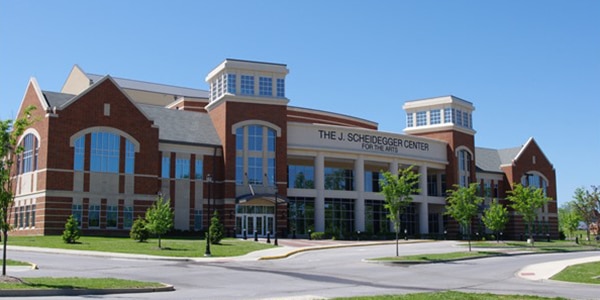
column 79, row 283
column 449, row 295
column 10, row 262
column 172, row 247
column 438, row 257
column 582, row 273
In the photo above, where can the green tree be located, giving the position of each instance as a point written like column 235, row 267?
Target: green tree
column 138, row 231
column 71, row 233
column 159, row 218
column 568, row 219
column 463, row 206
column 495, row 218
column 586, row 204
column 397, row 191
column 526, row 201
column 216, row 229
column 9, row 134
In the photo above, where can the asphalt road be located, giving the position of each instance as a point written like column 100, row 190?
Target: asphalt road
column 314, row 274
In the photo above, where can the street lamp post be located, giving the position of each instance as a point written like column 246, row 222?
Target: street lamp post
column 276, row 202
column 209, row 179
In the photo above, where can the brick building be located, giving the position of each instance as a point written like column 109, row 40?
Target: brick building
column 104, row 148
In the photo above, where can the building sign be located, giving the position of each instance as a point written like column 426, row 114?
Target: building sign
column 363, row 140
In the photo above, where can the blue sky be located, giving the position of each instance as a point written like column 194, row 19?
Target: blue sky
column 531, row 68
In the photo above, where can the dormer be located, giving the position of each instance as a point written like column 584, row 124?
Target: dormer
column 247, row 81
column 439, row 114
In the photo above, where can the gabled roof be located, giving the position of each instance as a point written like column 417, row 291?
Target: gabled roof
column 182, row 127
column 490, row 160
column 154, row 87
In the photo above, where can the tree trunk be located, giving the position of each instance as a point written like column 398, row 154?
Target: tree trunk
column 5, row 236
column 397, row 243
column 531, row 234
column 159, row 245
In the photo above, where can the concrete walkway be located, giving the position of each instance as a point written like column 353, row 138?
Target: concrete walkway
column 546, row 270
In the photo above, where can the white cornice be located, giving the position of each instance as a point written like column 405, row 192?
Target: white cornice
column 245, row 99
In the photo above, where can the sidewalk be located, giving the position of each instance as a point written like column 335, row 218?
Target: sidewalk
column 546, row 270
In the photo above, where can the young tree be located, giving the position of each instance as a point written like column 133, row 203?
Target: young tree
column 526, row 201
column 585, row 202
column 463, row 206
column 138, row 231
column 9, row 134
column 495, row 218
column 397, row 190
column 216, row 229
column 568, row 218
column 159, row 218
column 71, row 233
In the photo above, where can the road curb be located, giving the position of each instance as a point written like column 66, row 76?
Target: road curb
column 81, row 292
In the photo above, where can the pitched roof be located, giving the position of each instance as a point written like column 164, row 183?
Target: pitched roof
column 179, row 126
column 154, row 87
column 490, row 160
column 56, row 99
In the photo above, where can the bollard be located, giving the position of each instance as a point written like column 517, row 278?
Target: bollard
column 245, row 235
column 294, row 234
column 268, row 237
column 255, row 236
column 309, row 235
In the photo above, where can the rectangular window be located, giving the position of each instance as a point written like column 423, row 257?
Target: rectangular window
column 459, row 118
column 198, row 219
column 220, row 85
column 255, row 138
column 372, row 181
column 255, row 170
column 33, row 208
column 247, row 85
column 432, row 187
column 434, row 117
column 94, row 216
column 231, row 81
column 409, row 120
column 421, row 118
column 271, row 170
column 280, row 87
column 239, row 138
column 301, row 214
column 16, row 220
column 443, row 184
column 339, row 216
column 448, row 114
column 376, row 220
column 166, row 167
column 21, row 216
column 466, row 119
column 127, row 217
column 239, row 170
column 111, row 216
column 77, row 212
column 79, row 154
column 129, row 157
column 182, row 168
column 339, row 179
column 301, row 177
column 199, row 169
column 265, row 86
column 271, row 135
column 105, row 152
column 27, row 210
column 28, row 151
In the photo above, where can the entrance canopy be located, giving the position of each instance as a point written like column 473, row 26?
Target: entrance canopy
column 259, row 200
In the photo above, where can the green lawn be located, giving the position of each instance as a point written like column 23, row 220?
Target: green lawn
column 449, row 295
column 10, row 262
column 171, row 247
column 539, row 246
column 582, row 273
column 439, row 257
column 77, row 283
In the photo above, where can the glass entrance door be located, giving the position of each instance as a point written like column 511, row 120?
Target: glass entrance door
column 263, row 224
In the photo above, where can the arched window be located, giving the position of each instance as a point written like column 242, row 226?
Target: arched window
column 464, row 167
column 535, row 180
column 104, row 152
column 255, row 154
column 28, row 159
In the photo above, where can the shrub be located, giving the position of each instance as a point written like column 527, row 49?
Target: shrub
column 71, row 233
column 317, row 235
column 139, row 232
column 216, row 229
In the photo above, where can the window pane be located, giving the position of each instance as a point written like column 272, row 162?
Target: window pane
column 271, row 139
column 247, row 85
column 79, row 154
column 265, row 86
column 94, row 216
column 231, row 81
column 199, row 169
column 111, row 216
column 280, row 87
column 129, row 157
column 104, row 152
column 127, row 217
column 255, row 137
column 421, row 118
column 409, row 120
column 301, row 177
column 434, row 116
column 182, row 168
column 166, row 167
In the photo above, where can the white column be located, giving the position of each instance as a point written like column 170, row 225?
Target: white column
column 359, row 184
column 424, row 206
column 320, row 187
column 394, row 167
